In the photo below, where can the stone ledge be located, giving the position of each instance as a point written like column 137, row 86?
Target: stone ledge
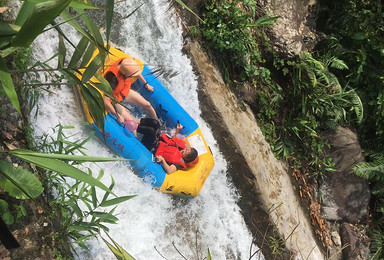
column 271, row 178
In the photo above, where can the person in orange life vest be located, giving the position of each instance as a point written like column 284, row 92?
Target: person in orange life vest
column 120, row 76
column 174, row 154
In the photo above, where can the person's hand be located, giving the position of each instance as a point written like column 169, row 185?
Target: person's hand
column 159, row 159
column 179, row 127
column 149, row 87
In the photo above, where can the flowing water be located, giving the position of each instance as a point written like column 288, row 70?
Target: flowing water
column 152, row 222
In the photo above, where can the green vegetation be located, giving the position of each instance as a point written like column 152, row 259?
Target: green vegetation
column 297, row 126
column 76, row 204
column 355, row 34
column 373, row 170
column 233, row 36
column 31, row 21
column 70, row 196
column 341, row 83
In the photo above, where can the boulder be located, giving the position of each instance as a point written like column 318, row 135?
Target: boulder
column 294, row 31
column 346, row 196
column 354, row 245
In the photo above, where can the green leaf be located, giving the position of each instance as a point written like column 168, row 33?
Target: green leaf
column 91, row 69
column 105, row 197
column 75, row 208
column 42, row 14
column 62, row 52
column 117, row 250
column 103, row 227
column 87, row 56
column 110, row 4
column 92, row 27
column 7, row 29
column 93, row 99
column 83, row 226
column 8, row 218
column 358, row 36
column 56, row 26
column 189, row 9
column 76, row 147
column 266, row 20
column 95, row 32
column 104, row 86
column 101, row 174
column 19, row 182
column 95, row 104
column 68, row 157
column 3, row 206
column 79, row 51
column 104, row 216
column 115, row 201
column 23, row 210
column 209, row 255
column 24, row 12
column 94, row 197
column 75, row 4
column 71, row 21
column 4, row 41
column 7, row 83
column 82, row 4
column 114, row 250
column 63, row 168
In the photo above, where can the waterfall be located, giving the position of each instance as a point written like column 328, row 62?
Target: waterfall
column 150, row 223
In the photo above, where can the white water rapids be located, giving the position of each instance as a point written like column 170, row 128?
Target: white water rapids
column 213, row 219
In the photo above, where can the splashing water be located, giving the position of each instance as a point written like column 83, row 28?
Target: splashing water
column 150, row 223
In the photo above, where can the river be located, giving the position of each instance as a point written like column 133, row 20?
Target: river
column 150, row 223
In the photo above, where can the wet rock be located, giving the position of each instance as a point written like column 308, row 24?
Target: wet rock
column 354, row 247
column 295, row 29
column 186, row 46
column 330, row 213
column 344, row 191
column 336, row 238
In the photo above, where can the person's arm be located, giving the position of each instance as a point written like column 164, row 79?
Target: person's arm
column 141, row 78
column 108, row 105
column 167, row 168
column 178, row 128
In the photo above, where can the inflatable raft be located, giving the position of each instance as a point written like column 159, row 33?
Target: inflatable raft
column 187, row 182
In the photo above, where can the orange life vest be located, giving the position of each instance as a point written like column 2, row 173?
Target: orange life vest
column 170, row 150
column 123, row 85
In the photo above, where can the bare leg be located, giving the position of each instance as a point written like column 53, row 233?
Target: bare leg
column 127, row 116
column 118, row 110
column 135, row 98
column 123, row 111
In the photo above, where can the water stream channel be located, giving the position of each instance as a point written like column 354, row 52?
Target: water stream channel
column 150, row 223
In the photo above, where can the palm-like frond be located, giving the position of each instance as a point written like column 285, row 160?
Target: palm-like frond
column 357, row 105
column 377, row 189
column 377, row 243
column 373, row 170
column 321, row 92
column 338, row 64
column 370, row 171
